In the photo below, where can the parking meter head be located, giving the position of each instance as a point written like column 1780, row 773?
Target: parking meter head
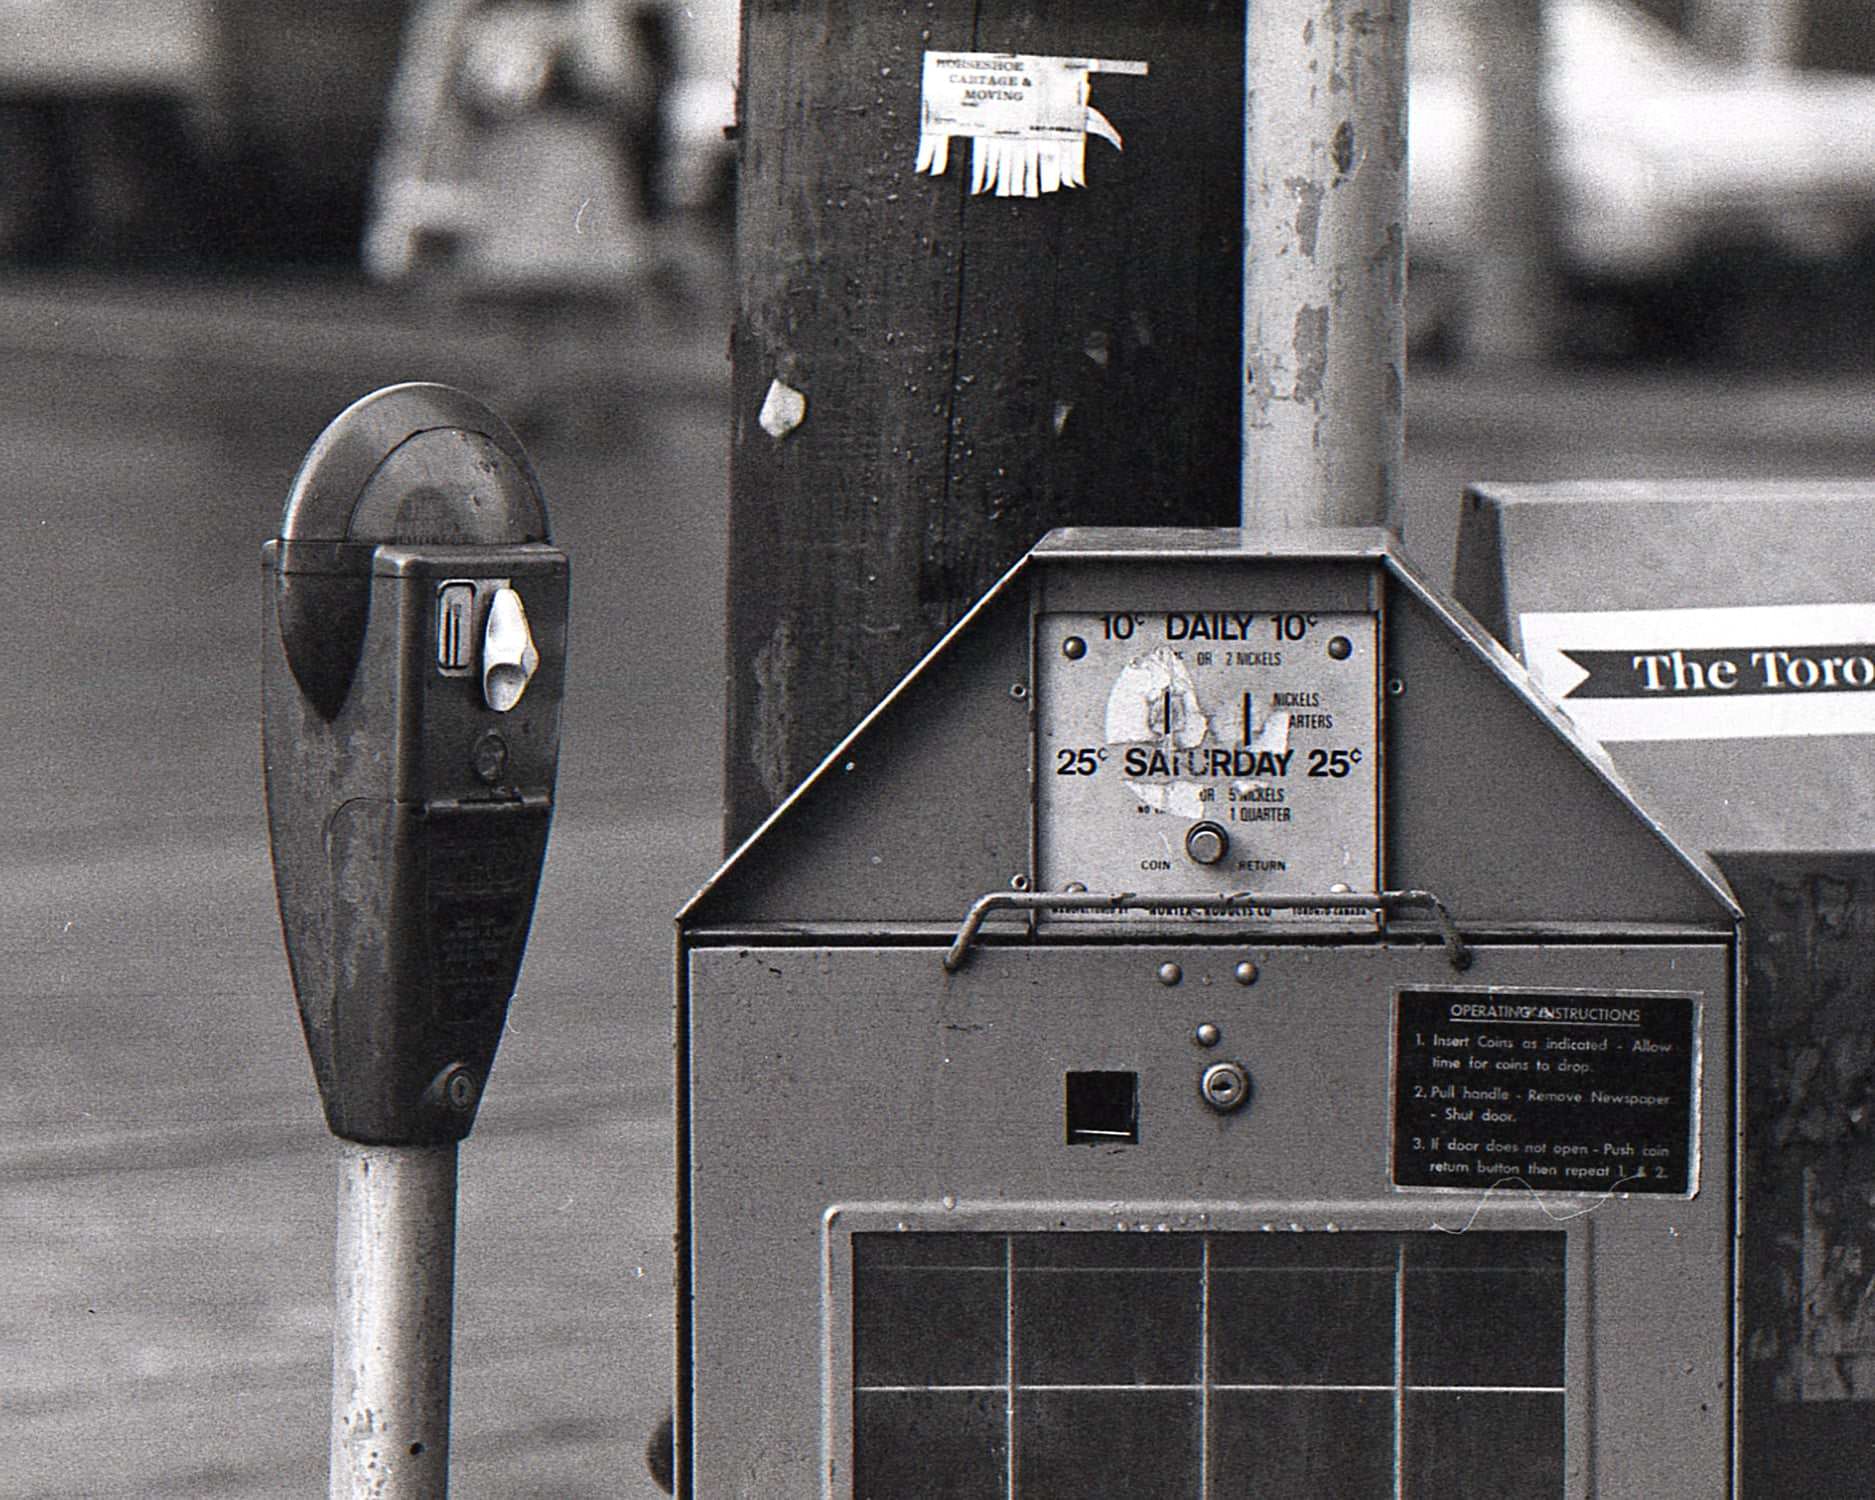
column 414, row 661
column 415, row 463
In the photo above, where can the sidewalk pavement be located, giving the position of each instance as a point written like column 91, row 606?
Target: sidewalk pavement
column 167, row 1183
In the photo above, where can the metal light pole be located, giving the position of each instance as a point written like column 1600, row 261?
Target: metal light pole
column 1324, row 365
column 1510, row 305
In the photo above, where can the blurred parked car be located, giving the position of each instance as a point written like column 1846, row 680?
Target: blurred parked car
column 144, row 128
column 1687, row 190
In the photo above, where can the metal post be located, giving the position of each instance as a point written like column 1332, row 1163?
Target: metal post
column 1509, row 313
column 395, row 1287
column 1760, row 34
column 1324, row 262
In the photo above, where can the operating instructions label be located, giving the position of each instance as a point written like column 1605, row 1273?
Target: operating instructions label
column 1581, row 1093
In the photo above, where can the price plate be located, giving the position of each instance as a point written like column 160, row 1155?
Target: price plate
column 1208, row 751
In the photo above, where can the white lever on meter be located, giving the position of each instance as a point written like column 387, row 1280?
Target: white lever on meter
column 508, row 655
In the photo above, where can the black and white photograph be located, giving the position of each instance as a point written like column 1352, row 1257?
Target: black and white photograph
column 914, row 750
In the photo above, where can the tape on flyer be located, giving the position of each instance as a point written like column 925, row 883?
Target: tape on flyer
column 1027, row 117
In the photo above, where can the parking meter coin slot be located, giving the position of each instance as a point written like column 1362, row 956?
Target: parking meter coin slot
column 455, row 627
column 482, row 628
column 455, row 743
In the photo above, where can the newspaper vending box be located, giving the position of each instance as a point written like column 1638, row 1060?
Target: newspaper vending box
column 1212, row 1030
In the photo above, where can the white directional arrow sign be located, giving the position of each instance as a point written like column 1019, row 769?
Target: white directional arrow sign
column 1746, row 672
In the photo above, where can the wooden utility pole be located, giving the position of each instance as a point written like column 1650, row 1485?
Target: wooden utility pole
column 927, row 379
column 947, row 375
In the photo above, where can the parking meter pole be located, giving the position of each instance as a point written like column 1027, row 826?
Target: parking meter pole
column 395, row 1291
column 1324, row 352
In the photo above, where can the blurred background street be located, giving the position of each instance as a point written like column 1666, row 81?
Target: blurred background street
column 166, row 1182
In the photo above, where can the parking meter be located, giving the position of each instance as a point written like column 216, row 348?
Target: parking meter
column 413, row 664
column 415, row 652
column 1213, row 1029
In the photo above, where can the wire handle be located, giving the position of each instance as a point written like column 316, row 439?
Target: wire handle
column 1037, row 901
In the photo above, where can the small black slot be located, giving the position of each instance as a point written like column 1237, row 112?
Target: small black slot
column 1102, row 1107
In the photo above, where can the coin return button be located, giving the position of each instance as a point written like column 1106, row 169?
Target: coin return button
column 1207, row 843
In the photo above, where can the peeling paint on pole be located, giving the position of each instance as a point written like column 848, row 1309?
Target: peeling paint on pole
column 1311, row 346
column 1324, row 261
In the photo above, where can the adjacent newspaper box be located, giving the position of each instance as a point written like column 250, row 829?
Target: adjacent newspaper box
column 1718, row 637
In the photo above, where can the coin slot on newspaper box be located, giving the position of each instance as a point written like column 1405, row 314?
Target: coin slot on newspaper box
column 1102, row 1108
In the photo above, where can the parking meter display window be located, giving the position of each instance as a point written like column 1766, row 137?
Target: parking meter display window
column 1181, row 751
column 1162, row 1364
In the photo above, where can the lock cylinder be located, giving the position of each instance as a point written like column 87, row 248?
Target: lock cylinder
column 1225, row 1086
